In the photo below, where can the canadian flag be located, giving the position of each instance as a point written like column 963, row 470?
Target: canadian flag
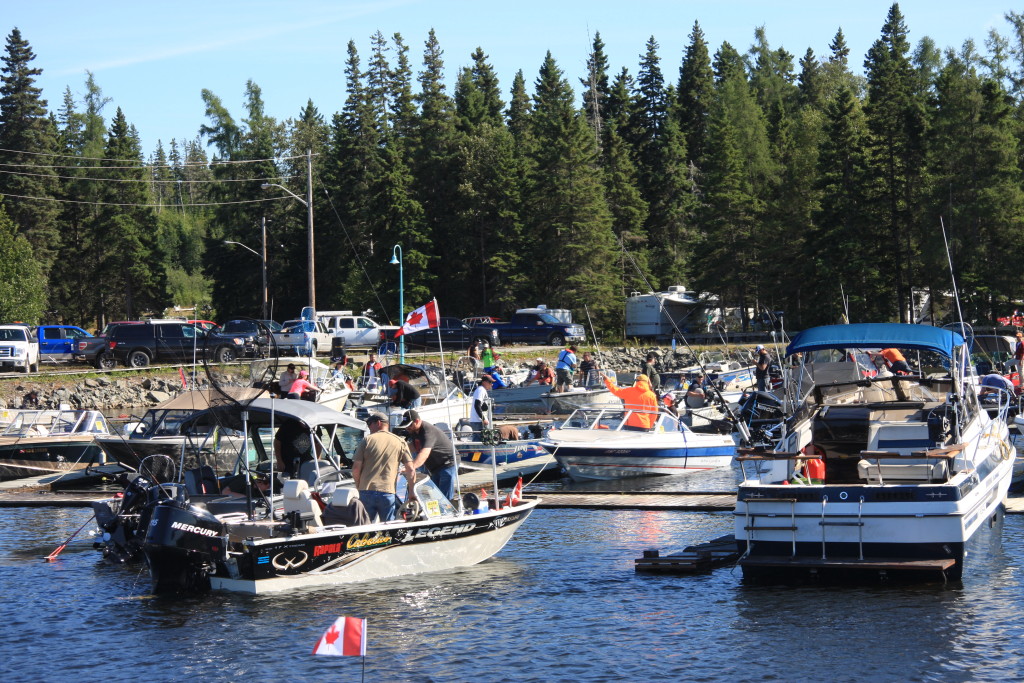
column 346, row 637
column 515, row 496
column 422, row 318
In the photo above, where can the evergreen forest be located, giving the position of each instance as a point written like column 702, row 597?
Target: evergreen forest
column 829, row 187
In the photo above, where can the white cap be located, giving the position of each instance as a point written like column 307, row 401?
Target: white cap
column 759, row 347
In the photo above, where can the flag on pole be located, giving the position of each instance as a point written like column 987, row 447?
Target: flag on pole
column 346, row 637
column 422, row 318
column 515, row 496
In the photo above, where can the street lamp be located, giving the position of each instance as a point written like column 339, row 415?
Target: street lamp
column 308, row 202
column 396, row 259
column 263, row 265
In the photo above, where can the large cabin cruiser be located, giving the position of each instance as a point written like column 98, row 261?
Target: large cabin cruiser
column 875, row 473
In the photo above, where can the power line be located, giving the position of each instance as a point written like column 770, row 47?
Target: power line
column 135, row 162
column 154, row 206
column 133, row 180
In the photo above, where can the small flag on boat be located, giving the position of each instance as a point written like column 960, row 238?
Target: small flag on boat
column 422, row 318
column 515, row 496
column 345, row 638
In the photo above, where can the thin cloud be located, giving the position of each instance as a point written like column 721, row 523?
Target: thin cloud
column 238, row 39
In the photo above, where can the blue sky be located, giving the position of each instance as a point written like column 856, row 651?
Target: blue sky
column 153, row 58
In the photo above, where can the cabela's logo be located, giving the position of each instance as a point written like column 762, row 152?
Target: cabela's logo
column 290, row 560
column 368, row 540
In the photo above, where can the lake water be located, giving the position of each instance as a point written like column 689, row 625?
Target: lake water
column 561, row 602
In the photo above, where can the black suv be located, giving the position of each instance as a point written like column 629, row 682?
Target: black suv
column 251, row 337
column 138, row 345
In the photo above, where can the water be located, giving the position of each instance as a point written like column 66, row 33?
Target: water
column 560, row 603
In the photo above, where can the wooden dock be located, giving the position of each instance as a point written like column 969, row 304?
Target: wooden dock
column 695, row 558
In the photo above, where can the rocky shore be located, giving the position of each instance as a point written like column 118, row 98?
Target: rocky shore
column 127, row 389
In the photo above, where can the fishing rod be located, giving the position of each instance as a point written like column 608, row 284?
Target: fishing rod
column 742, row 428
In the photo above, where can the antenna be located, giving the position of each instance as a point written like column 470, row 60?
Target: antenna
column 952, row 275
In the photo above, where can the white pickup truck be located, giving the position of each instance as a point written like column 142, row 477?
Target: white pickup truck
column 303, row 338
column 18, row 348
column 356, row 331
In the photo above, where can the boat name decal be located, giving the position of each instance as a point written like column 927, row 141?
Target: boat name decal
column 442, row 531
column 192, row 529
column 360, row 541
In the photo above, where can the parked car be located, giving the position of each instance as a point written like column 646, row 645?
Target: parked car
column 18, row 348
column 207, row 325
column 59, row 342
column 251, row 337
column 303, row 337
column 168, row 342
column 536, row 328
column 453, row 333
column 95, row 351
column 356, row 331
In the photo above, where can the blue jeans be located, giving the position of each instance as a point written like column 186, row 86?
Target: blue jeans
column 379, row 503
column 444, row 477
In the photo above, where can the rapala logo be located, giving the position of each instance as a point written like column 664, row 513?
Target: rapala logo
column 192, row 529
column 326, row 549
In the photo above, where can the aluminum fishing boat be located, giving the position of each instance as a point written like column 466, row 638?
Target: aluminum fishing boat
column 599, row 444
column 40, row 442
column 883, row 474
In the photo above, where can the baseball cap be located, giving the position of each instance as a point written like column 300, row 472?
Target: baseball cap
column 375, row 417
column 759, row 347
column 410, row 417
column 487, row 378
column 539, row 360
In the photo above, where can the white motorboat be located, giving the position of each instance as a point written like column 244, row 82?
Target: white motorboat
column 189, row 547
column 599, row 444
column 906, row 469
column 40, row 442
column 334, row 391
column 441, row 401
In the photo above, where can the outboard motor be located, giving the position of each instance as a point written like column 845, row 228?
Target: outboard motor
column 125, row 530
column 761, row 411
column 183, row 544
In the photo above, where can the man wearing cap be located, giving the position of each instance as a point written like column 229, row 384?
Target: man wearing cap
column 403, row 394
column 375, row 468
column 650, row 369
column 480, row 415
column 761, row 365
column 640, row 399
column 433, row 450
column 286, row 379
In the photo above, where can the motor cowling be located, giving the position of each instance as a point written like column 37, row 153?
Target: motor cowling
column 183, row 544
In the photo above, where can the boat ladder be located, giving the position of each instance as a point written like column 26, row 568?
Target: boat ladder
column 751, row 520
column 859, row 524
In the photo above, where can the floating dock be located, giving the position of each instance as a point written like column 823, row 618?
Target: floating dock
column 695, row 558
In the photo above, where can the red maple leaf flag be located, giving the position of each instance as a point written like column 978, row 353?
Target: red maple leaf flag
column 345, row 638
column 422, row 318
column 515, row 496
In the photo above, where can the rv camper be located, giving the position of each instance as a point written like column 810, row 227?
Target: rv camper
column 651, row 315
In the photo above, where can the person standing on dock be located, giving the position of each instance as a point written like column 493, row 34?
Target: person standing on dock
column 375, row 468
column 371, row 373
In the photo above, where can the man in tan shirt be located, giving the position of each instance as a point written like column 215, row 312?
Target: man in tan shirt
column 375, row 468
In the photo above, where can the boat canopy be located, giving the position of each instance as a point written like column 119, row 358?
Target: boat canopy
column 877, row 335
column 263, row 410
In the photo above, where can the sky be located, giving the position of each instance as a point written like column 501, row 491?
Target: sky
column 154, row 58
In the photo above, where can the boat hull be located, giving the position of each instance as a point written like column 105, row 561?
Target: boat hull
column 595, row 463
column 564, row 403
column 502, row 454
column 40, row 459
column 371, row 552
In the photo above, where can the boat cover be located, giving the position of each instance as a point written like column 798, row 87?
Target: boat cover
column 875, row 336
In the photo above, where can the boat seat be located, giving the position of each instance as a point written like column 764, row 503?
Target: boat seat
column 201, row 480
column 900, row 470
column 899, row 437
column 328, row 472
column 297, row 499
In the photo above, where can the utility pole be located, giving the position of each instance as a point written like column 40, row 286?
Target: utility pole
column 309, row 225
column 263, row 262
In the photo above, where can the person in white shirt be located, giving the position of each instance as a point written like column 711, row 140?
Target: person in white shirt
column 287, row 378
column 480, row 415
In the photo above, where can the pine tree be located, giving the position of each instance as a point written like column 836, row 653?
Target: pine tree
column 28, row 141
column 695, row 93
column 22, row 279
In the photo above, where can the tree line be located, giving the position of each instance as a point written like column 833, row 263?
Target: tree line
column 771, row 181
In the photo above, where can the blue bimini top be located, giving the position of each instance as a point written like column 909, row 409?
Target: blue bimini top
column 875, row 336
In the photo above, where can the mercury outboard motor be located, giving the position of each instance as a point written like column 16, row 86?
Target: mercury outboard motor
column 761, row 411
column 125, row 530
column 183, row 544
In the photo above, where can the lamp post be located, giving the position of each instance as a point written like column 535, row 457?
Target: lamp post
column 263, row 266
column 396, row 259
column 308, row 203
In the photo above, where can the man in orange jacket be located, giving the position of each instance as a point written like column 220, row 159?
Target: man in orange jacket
column 641, row 400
